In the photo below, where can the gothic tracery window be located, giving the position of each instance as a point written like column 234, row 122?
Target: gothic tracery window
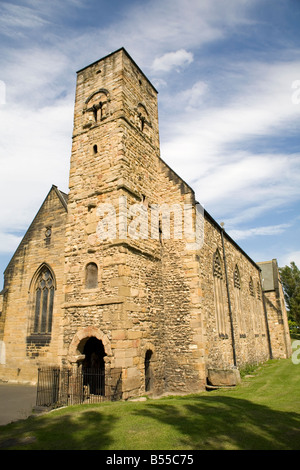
column 237, row 279
column 258, row 291
column 218, row 291
column 253, row 307
column 259, row 310
column 238, row 301
column 251, row 287
column 44, row 298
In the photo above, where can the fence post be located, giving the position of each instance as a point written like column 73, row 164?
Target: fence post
column 65, row 386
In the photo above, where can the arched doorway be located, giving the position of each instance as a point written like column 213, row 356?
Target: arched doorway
column 93, row 366
column 148, row 372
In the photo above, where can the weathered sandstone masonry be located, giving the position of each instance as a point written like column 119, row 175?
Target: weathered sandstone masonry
column 25, row 346
column 102, row 277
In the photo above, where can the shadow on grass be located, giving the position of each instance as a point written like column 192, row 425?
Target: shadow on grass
column 221, row 423
column 194, row 422
column 83, row 430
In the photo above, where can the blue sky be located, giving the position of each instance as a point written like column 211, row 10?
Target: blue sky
column 228, row 76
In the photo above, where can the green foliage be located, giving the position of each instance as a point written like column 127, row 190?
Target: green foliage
column 290, row 278
column 248, row 369
column 294, row 329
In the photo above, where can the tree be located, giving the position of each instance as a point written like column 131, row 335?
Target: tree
column 290, row 278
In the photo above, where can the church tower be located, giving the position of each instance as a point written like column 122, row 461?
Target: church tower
column 123, row 275
column 114, row 167
column 113, row 99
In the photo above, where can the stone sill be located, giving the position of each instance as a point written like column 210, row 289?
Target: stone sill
column 92, row 303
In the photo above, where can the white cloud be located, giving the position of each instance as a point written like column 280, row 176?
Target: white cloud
column 258, row 231
column 9, row 242
column 172, row 60
column 148, row 29
column 258, row 108
column 35, row 148
column 14, row 19
column 286, row 259
column 207, row 130
column 190, row 100
column 226, row 176
column 263, row 182
column 36, row 77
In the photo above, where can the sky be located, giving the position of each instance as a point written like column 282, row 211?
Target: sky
column 228, row 77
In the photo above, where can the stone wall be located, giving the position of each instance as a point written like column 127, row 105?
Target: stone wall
column 240, row 344
column 167, row 314
column 23, row 353
column 276, row 310
column 167, row 297
column 158, row 301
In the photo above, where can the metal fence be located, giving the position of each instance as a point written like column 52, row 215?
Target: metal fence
column 69, row 386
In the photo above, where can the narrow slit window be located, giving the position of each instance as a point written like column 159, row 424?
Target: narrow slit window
column 91, row 276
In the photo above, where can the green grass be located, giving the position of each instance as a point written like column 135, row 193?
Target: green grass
column 262, row 413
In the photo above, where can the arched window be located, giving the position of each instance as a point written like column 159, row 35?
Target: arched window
column 96, row 107
column 258, row 291
column 217, row 265
column 91, row 276
column 218, row 291
column 237, row 278
column 238, row 301
column 251, row 287
column 259, row 310
column 253, row 310
column 44, row 298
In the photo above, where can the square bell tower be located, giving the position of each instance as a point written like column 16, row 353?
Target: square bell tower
column 115, row 157
column 115, row 136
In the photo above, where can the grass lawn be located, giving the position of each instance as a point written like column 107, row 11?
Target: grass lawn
column 262, row 413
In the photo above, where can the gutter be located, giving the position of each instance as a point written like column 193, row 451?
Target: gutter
column 266, row 316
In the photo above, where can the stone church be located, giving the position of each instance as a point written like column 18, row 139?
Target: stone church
column 127, row 269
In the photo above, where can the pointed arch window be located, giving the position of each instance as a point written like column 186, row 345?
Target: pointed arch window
column 251, row 287
column 238, row 301
column 44, row 298
column 253, row 309
column 258, row 310
column 258, row 291
column 237, row 278
column 218, row 292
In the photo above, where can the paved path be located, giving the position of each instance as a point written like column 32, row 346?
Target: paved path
column 16, row 401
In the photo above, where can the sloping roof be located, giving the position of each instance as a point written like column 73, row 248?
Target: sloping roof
column 63, row 197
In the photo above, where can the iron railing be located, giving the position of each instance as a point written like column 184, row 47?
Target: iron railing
column 61, row 386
